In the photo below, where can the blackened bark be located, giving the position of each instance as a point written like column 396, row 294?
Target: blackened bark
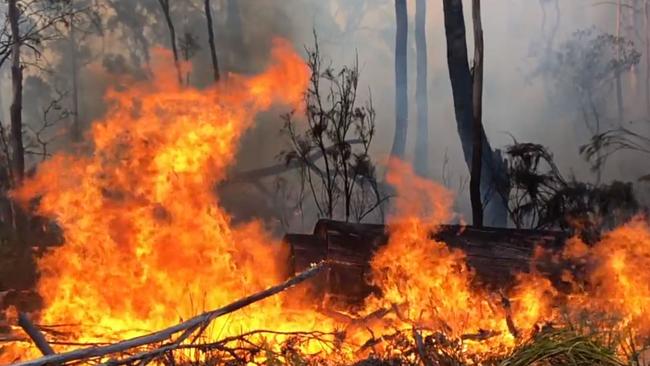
column 495, row 254
column 213, row 50
column 421, row 92
column 494, row 178
column 477, row 102
column 401, row 104
column 164, row 4
column 16, row 109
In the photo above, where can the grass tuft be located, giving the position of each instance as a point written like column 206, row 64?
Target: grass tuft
column 563, row 347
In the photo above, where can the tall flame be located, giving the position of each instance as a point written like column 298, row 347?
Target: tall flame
column 146, row 241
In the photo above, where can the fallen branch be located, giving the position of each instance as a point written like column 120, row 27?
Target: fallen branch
column 187, row 327
column 34, row 334
column 221, row 345
column 419, row 343
column 508, row 308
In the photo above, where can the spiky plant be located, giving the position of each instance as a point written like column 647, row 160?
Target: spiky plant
column 563, row 347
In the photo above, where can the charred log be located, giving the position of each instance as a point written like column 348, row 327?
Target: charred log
column 495, row 254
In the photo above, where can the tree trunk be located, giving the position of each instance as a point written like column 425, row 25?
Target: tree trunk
column 635, row 70
column 401, row 103
column 494, row 183
column 16, row 109
column 421, row 93
column 164, row 4
column 646, row 16
column 477, row 104
column 76, row 125
column 213, row 50
column 619, row 87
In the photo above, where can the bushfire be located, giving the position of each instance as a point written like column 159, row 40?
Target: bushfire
column 147, row 243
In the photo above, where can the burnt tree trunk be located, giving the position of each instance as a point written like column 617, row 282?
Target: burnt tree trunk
column 16, row 109
column 401, row 101
column 421, row 93
column 477, row 103
column 164, row 4
column 494, row 178
column 19, row 219
column 213, row 50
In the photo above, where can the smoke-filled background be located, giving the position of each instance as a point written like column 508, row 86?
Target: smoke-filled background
column 528, row 94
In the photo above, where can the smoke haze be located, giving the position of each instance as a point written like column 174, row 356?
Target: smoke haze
column 519, row 101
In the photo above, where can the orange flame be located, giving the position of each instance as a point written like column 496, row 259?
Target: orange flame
column 429, row 283
column 146, row 242
column 618, row 280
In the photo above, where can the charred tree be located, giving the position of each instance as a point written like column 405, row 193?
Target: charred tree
column 477, row 104
column 16, row 109
column 421, row 93
column 493, row 173
column 213, row 50
column 333, row 152
column 164, row 5
column 401, row 102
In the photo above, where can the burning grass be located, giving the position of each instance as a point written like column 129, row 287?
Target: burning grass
column 407, row 347
column 564, row 347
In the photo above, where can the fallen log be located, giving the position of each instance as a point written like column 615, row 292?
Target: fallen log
column 495, row 254
column 187, row 327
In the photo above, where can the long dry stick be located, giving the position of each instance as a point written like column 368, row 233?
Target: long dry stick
column 34, row 334
column 187, row 326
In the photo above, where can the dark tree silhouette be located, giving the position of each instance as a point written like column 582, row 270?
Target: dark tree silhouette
column 401, row 87
column 164, row 5
column 16, row 109
column 213, row 49
column 477, row 103
column 494, row 178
